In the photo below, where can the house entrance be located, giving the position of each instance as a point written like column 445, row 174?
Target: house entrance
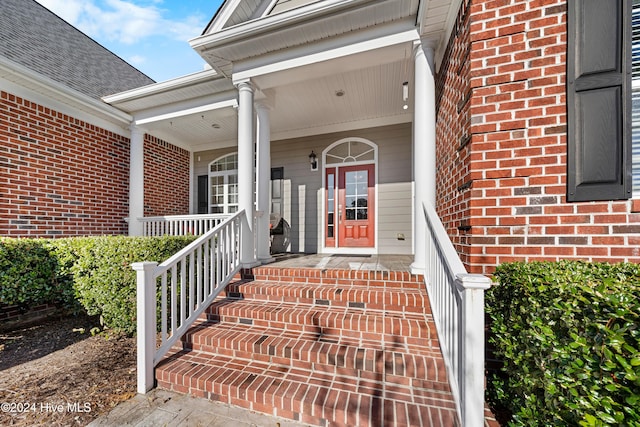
column 350, row 177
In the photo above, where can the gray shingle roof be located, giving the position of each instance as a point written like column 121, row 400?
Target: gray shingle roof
column 38, row 39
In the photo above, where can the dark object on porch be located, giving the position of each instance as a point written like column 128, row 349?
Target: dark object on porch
column 278, row 228
column 280, row 232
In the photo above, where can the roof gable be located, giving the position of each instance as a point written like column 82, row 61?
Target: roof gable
column 36, row 38
column 280, row 6
column 235, row 12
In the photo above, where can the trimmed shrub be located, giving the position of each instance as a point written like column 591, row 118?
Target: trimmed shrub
column 569, row 336
column 93, row 271
column 28, row 275
column 104, row 282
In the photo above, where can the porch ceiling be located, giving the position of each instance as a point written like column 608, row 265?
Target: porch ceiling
column 304, row 101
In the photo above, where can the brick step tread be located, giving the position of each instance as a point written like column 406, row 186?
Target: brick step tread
column 313, row 397
column 326, row 321
column 403, row 300
column 305, row 350
column 383, row 279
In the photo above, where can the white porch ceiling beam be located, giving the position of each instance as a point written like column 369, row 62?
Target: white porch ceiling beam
column 326, row 55
column 233, row 103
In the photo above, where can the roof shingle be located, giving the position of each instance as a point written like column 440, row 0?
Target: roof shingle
column 38, row 39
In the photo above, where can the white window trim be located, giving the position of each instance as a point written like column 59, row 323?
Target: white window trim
column 225, row 174
column 322, row 229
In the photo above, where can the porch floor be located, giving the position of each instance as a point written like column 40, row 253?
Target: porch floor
column 344, row 262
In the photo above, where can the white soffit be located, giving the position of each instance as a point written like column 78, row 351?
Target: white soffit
column 172, row 92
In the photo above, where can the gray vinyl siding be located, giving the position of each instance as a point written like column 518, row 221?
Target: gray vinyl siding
column 302, row 187
column 302, row 203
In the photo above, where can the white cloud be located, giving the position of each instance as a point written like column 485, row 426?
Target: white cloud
column 124, row 21
column 136, row 60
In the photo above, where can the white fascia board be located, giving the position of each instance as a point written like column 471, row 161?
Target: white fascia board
column 339, row 52
column 157, row 88
column 233, row 103
column 270, row 23
column 22, row 81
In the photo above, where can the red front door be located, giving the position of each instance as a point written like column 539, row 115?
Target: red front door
column 350, row 206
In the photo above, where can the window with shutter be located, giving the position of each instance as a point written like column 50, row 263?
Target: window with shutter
column 599, row 103
column 635, row 75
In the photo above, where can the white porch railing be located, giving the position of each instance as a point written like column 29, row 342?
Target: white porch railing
column 188, row 283
column 457, row 302
column 180, row 225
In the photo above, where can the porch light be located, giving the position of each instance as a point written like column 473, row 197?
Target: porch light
column 313, row 160
column 405, row 94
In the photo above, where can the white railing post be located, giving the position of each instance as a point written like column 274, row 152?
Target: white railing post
column 146, row 323
column 471, row 383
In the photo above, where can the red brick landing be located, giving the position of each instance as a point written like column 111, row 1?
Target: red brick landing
column 323, row 347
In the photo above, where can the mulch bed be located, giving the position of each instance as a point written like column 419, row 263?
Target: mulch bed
column 59, row 374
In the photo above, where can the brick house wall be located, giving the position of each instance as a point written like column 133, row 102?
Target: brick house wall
column 166, row 172
column 453, row 92
column 517, row 156
column 59, row 176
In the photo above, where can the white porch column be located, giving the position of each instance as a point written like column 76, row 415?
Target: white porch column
column 424, row 148
column 245, row 171
column 136, row 180
column 262, row 184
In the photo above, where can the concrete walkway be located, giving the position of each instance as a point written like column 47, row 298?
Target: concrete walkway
column 165, row 408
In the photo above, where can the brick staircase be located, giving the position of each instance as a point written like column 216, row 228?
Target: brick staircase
column 323, row 347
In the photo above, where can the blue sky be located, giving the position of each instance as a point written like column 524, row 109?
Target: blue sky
column 151, row 35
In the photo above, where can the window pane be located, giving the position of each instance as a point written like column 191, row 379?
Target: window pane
column 350, row 214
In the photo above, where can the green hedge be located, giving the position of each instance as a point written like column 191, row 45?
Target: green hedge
column 28, row 275
column 104, row 281
column 569, row 336
column 94, row 271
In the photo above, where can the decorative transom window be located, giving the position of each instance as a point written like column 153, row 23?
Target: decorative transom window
column 223, row 184
column 353, row 150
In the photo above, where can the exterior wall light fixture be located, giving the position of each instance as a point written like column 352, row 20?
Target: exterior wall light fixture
column 313, row 160
column 405, row 95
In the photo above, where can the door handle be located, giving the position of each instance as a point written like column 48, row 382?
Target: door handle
column 339, row 212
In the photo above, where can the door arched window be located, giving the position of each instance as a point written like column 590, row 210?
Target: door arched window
column 223, row 184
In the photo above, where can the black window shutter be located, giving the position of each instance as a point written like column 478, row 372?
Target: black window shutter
column 203, row 194
column 598, row 100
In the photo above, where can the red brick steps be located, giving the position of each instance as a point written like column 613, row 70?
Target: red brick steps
column 335, row 295
column 305, row 351
column 360, row 349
